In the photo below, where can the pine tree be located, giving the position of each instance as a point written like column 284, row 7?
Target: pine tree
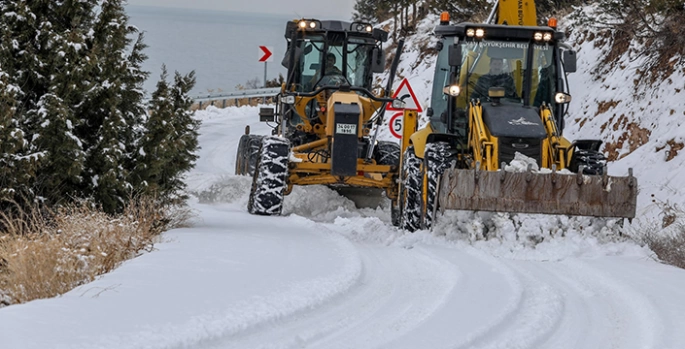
column 184, row 138
column 17, row 168
column 110, row 107
column 169, row 141
column 77, row 105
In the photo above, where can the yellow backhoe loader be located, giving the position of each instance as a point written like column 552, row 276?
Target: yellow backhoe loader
column 499, row 98
column 323, row 119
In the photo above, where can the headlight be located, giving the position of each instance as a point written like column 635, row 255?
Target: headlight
column 480, row 33
column 547, row 36
column 452, row 90
column 470, row 32
column 312, row 25
column 562, row 98
column 537, row 36
column 302, row 24
column 369, row 28
column 398, row 104
column 288, row 99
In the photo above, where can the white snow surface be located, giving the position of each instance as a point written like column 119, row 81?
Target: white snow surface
column 328, row 275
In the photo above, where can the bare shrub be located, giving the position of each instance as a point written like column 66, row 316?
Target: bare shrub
column 45, row 255
column 666, row 237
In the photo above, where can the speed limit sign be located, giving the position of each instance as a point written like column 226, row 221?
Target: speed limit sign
column 395, row 124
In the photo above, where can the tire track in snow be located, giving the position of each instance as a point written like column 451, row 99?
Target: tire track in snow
column 259, row 313
column 528, row 321
column 399, row 288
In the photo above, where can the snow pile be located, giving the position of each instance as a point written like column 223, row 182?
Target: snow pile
column 521, row 236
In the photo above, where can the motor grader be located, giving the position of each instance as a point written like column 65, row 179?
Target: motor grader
column 323, row 119
column 483, row 119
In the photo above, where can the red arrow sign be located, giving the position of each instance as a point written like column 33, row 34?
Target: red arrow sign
column 265, row 54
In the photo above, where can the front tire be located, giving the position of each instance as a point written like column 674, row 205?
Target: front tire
column 411, row 182
column 270, row 177
column 438, row 157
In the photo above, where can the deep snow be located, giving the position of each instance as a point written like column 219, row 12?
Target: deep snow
column 328, row 275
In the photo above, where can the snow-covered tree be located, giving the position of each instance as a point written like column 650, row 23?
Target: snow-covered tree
column 78, row 105
column 166, row 149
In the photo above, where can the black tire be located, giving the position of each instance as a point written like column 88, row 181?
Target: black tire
column 438, row 157
column 247, row 154
column 395, row 213
column 252, row 149
column 239, row 156
column 387, row 153
column 411, row 182
column 270, row 178
column 593, row 161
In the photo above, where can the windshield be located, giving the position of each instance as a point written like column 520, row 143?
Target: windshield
column 342, row 61
column 488, row 64
column 506, row 64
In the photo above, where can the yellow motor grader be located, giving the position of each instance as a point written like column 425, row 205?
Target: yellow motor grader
column 499, row 98
column 323, row 119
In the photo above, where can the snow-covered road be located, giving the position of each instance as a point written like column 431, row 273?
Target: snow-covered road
column 326, row 275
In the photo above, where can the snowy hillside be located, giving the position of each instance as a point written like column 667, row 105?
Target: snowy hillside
column 640, row 127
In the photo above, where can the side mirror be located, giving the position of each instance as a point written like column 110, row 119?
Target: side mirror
column 286, row 60
column 454, row 55
column 378, row 60
column 570, row 61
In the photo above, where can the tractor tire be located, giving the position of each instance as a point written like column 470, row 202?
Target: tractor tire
column 395, row 213
column 270, row 177
column 593, row 161
column 387, row 153
column 438, row 157
column 411, row 182
column 239, row 157
column 248, row 152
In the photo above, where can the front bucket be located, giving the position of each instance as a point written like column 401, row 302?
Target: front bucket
column 534, row 192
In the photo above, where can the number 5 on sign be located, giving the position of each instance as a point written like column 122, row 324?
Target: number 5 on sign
column 395, row 124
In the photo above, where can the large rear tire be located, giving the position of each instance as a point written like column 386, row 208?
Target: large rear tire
column 248, row 152
column 411, row 182
column 270, row 178
column 438, row 157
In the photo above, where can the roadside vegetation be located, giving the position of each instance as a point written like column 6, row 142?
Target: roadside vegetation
column 79, row 136
column 45, row 253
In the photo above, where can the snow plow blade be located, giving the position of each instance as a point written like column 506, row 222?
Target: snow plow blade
column 534, row 192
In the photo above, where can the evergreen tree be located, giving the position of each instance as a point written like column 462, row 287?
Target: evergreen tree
column 169, row 141
column 112, row 107
column 17, row 168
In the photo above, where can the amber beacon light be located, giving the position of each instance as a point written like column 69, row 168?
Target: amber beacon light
column 445, row 18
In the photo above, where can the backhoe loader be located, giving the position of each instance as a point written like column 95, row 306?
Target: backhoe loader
column 323, row 119
column 499, row 98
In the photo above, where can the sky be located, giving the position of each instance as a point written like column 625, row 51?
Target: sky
column 337, row 9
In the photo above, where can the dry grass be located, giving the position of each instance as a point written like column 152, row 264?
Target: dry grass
column 44, row 254
column 666, row 238
column 669, row 249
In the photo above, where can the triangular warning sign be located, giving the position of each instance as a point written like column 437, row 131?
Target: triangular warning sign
column 412, row 103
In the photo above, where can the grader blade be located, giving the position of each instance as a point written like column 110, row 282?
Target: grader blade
column 535, row 192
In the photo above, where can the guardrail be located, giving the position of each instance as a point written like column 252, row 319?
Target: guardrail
column 209, row 99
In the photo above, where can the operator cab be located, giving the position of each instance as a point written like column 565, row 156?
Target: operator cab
column 332, row 53
column 525, row 65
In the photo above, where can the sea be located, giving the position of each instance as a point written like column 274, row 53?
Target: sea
column 221, row 47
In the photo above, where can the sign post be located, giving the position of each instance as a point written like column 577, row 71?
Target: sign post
column 265, row 55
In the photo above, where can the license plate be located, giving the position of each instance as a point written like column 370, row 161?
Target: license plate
column 347, row 129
